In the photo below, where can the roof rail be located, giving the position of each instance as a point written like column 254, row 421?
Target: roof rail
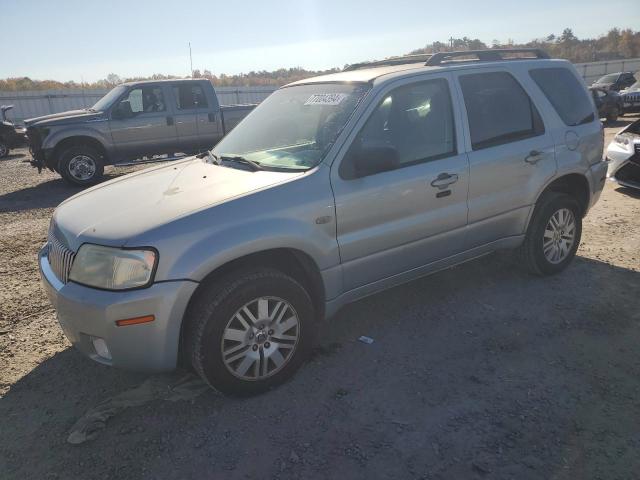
column 418, row 58
column 492, row 55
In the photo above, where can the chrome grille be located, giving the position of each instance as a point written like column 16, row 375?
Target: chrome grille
column 60, row 257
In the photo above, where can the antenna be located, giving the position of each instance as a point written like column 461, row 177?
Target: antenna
column 190, row 60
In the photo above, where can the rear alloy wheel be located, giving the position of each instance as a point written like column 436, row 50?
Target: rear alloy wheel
column 553, row 235
column 81, row 165
column 4, row 149
column 249, row 331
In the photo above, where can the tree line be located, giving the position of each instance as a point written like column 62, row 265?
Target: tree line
column 615, row 44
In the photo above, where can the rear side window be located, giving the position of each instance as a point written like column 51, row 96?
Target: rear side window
column 565, row 93
column 498, row 109
column 189, row 97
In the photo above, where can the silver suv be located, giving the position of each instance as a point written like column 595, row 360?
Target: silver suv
column 334, row 188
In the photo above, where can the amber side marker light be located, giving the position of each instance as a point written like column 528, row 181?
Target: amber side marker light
column 135, row 321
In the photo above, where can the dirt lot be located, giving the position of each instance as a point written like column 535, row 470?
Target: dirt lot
column 481, row 371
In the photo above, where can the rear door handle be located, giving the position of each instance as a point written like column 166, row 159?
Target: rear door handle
column 169, row 120
column 444, row 180
column 534, row 157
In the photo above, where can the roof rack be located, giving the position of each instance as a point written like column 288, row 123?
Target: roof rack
column 418, row 58
column 493, row 55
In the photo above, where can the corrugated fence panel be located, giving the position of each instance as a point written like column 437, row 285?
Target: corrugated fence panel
column 592, row 71
column 35, row 103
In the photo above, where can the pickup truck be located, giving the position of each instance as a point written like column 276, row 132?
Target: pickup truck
column 134, row 120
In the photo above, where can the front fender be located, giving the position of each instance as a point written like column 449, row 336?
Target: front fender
column 222, row 246
column 99, row 131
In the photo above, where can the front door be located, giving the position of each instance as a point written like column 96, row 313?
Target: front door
column 396, row 220
column 142, row 123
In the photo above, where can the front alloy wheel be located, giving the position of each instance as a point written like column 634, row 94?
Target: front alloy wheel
column 260, row 338
column 250, row 330
column 559, row 236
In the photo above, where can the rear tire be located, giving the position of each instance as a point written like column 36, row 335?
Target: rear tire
column 81, row 165
column 250, row 331
column 553, row 236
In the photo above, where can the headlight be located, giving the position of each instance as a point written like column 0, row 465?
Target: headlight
column 621, row 139
column 113, row 268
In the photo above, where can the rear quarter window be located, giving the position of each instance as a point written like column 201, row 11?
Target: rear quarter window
column 565, row 93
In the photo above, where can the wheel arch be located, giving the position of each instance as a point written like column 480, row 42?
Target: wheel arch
column 290, row 261
column 574, row 184
column 76, row 141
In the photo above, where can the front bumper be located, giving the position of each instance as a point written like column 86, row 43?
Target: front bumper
column 624, row 163
column 86, row 314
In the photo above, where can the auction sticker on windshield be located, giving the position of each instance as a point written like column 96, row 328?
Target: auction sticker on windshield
column 326, row 99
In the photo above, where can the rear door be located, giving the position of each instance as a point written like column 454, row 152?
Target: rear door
column 199, row 127
column 511, row 154
column 148, row 129
column 394, row 221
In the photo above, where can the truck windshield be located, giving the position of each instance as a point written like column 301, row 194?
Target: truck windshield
column 106, row 101
column 295, row 126
column 611, row 78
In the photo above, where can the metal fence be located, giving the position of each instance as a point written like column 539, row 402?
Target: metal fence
column 35, row 103
column 29, row 104
column 594, row 70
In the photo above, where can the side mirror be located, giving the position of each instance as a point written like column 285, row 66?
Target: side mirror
column 122, row 111
column 368, row 160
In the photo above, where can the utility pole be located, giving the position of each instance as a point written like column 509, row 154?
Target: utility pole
column 190, row 60
column 451, row 39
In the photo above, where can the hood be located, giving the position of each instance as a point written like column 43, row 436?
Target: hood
column 71, row 116
column 114, row 212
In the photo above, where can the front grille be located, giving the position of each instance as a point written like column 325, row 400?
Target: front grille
column 60, row 257
column 35, row 141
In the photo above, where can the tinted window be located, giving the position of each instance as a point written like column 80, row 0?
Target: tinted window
column 189, row 97
column 566, row 94
column 498, row 109
column 145, row 99
column 416, row 120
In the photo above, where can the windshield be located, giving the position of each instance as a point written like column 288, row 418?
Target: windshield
column 611, row 78
column 295, row 126
column 106, row 101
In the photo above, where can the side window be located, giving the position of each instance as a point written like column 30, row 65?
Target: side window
column 416, row 121
column 498, row 109
column 143, row 100
column 189, row 97
column 565, row 93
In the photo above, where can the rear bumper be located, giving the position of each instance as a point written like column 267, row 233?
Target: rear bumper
column 598, row 173
column 86, row 314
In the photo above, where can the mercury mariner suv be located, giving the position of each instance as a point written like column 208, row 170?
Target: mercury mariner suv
column 332, row 189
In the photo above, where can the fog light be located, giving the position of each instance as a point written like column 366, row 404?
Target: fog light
column 101, row 347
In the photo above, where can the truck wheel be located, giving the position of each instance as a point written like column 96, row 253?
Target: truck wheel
column 613, row 115
column 553, row 235
column 4, row 148
column 250, row 331
column 81, row 165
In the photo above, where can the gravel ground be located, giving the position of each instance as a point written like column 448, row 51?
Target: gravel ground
column 481, row 371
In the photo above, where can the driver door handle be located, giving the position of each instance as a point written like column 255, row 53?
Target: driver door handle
column 534, row 157
column 444, row 180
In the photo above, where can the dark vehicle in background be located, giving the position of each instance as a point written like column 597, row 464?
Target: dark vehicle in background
column 132, row 121
column 11, row 136
column 615, row 81
column 631, row 98
column 608, row 103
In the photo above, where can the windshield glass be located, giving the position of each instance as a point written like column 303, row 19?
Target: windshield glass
column 611, row 78
column 295, row 126
column 106, row 101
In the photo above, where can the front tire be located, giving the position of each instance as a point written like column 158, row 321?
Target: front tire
column 4, row 148
column 553, row 236
column 613, row 115
column 81, row 165
column 250, row 331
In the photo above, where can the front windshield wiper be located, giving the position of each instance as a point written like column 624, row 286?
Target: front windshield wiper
column 255, row 166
